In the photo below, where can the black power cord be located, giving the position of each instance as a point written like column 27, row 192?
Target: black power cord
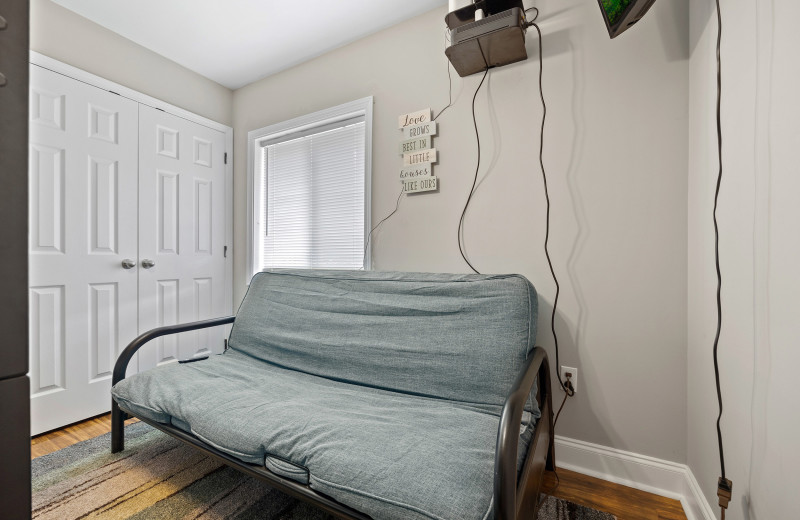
column 475, row 178
column 450, row 93
column 396, row 207
column 568, row 384
column 568, row 389
column 449, row 81
column 724, row 486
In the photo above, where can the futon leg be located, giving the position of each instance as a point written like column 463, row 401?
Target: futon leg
column 117, row 428
column 550, row 461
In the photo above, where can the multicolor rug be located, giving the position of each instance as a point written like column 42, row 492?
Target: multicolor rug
column 158, row 477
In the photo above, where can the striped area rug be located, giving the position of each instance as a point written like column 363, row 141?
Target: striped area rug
column 158, row 477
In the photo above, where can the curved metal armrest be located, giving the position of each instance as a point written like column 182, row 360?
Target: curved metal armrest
column 505, row 464
column 124, row 358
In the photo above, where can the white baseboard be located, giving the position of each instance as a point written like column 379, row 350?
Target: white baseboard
column 661, row 477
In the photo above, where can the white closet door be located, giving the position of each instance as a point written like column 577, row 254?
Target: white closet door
column 182, row 233
column 83, row 210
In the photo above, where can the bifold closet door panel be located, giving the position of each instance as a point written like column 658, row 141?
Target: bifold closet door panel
column 181, row 233
column 83, row 226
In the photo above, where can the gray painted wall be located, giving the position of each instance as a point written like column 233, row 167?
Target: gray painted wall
column 616, row 153
column 68, row 37
column 758, row 215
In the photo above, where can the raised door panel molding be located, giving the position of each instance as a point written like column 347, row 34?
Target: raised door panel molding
column 47, row 109
column 103, row 205
column 202, row 152
column 167, row 140
column 47, row 199
column 103, row 124
column 203, row 298
column 203, row 216
column 168, row 313
column 167, row 228
column 103, row 329
column 48, row 340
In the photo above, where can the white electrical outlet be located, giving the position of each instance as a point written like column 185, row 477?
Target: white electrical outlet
column 573, row 378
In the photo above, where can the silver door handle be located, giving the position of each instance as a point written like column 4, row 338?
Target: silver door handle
column 128, row 264
column 147, row 263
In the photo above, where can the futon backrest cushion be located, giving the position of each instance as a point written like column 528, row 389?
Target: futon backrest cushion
column 458, row 337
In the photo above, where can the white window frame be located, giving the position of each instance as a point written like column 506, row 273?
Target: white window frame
column 255, row 138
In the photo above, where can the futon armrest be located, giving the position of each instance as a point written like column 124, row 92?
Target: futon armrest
column 124, row 358
column 505, row 466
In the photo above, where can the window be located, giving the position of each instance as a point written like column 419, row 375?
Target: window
column 309, row 190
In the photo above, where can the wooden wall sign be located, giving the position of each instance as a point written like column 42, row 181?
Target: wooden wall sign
column 422, row 156
column 420, row 170
column 418, row 152
column 416, row 144
column 410, row 132
column 420, row 185
column 415, row 118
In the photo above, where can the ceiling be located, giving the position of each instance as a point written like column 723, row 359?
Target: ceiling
column 236, row 42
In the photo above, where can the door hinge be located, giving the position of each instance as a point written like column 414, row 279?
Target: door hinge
column 225, row 343
column 225, row 252
column 226, row 157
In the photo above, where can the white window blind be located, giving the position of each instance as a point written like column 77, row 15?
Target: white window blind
column 313, row 198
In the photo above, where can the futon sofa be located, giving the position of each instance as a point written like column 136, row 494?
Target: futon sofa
column 377, row 395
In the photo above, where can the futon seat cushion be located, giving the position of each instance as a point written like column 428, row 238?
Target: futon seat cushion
column 388, row 454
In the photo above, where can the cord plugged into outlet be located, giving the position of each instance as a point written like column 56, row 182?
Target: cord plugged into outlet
column 724, row 492
column 570, row 376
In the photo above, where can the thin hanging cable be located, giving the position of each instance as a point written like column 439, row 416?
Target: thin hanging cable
column 567, row 389
column 475, row 178
column 724, row 486
column 369, row 235
column 558, row 414
column 450, row 91
column 716, row 237
column 450, row 82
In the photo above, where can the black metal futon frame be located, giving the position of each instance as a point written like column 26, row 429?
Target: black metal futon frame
column 514, row 499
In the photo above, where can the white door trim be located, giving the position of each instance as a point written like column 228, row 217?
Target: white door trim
column 658, row 476
column 87, row 77
column 96, row 81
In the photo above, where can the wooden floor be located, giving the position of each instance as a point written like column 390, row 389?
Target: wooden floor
column 72, row 434
column 623, row 502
